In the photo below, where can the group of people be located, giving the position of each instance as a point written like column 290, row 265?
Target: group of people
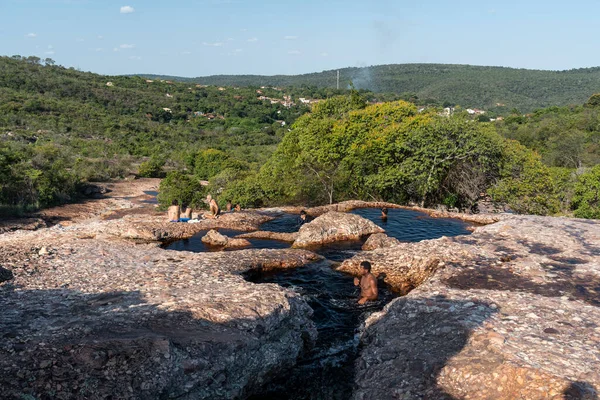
column 183, row 213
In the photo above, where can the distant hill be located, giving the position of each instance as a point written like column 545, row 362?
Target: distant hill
column 491, row 88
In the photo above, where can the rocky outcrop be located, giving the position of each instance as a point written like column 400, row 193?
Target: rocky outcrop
column 510, row 312
column 283, row 236
column 98, row 317
column 214, row 238
column 379, row 240
column 30, row 224
column 334, row 227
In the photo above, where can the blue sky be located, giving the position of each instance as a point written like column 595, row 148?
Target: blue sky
column 195, row 38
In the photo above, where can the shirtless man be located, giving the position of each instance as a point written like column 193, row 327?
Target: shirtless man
column 214, row 207
column 367, row 282
column 174, row 211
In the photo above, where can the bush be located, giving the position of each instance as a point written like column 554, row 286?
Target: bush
column 151, row 168
column 526, row 184
column 586, row 200
column 182, row 187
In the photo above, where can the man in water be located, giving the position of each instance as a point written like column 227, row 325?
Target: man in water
column 302, row 219
column 367, row 282
column 384, row 213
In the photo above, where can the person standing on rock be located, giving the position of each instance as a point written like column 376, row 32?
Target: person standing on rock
column 367, row 282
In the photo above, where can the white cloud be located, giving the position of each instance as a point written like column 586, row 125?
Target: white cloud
column 294, row 52
column 100, row 37
column 50, row 47
column 79, row 40
column 137, row 58
column 185, row 53
column 216, row 44
column 238, row 50
column 323, row 54
column 124, row 47
column 50, row 52
column 99, row 49
column 31, row 35
column 290, row 37
column 252, row 40
column 230, row 39
column 127, row 10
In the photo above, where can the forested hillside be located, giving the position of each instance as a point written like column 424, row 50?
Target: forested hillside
column 59, row 127
column 492, row 88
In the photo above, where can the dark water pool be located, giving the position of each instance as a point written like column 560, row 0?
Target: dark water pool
column 326, row 371
column 195, row 243
column 153, row 200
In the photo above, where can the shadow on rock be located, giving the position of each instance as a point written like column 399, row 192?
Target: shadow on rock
column 580, row 391
column 406, row 347
column 565, row 282
column 64, row 344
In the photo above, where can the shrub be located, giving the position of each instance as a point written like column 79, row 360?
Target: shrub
column 186, row 189
column 586, row 200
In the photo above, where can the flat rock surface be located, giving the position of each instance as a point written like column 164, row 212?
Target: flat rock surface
column 509, row 312
column 91, row 315
column 334, row 227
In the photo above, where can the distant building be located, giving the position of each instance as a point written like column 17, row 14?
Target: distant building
column 169, row 95
column 149, row 81
column 167, row 110
column 109, row 84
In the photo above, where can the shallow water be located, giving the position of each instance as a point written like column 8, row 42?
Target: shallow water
column 326, row 371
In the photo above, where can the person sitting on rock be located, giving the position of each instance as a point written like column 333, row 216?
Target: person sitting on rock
column 367, row 282
column 228, row 206
column 186, row 213
column 384, row 213
column 173, row 211
column 237, row 208
column 214, row 207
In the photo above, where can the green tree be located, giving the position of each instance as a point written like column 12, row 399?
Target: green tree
column 586, row 200
column 186, row 189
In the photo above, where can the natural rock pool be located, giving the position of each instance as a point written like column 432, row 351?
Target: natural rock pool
column 326, row 370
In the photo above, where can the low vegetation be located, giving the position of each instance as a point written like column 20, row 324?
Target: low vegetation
column 60, row 128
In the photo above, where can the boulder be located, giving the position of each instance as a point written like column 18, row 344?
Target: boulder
column 214, row 238
column 334, row 227
column 379, row 240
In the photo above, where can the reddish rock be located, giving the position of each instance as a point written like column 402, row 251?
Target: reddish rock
column 379, row 240
column 334, row 227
